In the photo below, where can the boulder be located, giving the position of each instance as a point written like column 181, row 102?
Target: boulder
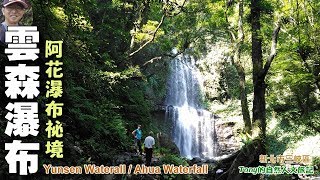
column 164, row 141
column 196, row 160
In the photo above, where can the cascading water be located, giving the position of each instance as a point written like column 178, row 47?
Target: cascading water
column 193, row 130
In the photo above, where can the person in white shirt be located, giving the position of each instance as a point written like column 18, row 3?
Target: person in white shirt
column 148, row 147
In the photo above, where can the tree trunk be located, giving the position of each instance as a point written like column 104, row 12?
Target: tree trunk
column 243, row 92
column 236, row 61
column 244, row 101
column 260, row 71
column 259, row 113
column 259, row 106
column 241, row 73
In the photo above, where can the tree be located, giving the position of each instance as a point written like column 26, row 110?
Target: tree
column 260, row 69
column 237, row 43
column 294, row 80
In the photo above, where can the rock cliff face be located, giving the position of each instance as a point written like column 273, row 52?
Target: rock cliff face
column 166, row 141
column 226, row 140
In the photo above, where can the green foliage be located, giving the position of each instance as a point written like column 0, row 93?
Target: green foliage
column 147, row 31
column 106, row 92
column 280, row 177
column 103, row 95
column 246, row 139
column 295, row 70
column 175, row 160
column 316, row 164
column 290, row 129
column 162, row 150
column 231, row 80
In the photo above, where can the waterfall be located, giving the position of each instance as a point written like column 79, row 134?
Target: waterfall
column 193, row 127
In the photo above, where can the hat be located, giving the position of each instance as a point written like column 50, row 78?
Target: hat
column 8, row 2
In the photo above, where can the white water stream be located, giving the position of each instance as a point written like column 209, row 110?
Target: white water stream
column 194, row 128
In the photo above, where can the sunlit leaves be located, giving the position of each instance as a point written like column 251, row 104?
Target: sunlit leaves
column 147, row 31
column 116, row 77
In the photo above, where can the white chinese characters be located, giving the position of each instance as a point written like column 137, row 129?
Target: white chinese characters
column 24, row 121
column 22, row 43
column 22, row 83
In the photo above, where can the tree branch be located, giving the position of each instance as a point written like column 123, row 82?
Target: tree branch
column 153, row 59
column 165, row 14
column 273, row 51
column 149, row 41
column 161, row 57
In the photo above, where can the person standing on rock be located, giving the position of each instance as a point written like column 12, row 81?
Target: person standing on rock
column 148, row 148
column 137, row 139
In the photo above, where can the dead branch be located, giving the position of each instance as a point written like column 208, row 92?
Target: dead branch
column 151, row 60
column 161, row 56
column 153, row 36
column 273, row 51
